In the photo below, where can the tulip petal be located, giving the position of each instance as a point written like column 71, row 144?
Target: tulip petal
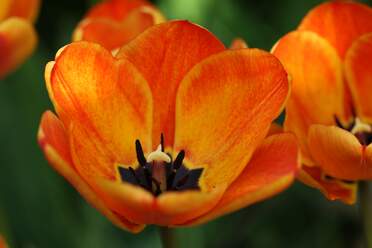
column 27, row 9
column 113, row 34
column 53, row 140
column 317, row 92
column 238, row 43
column 271, row 170
column 223, row 115
column 169, row 209
column 107, row 97
column 164, row 54
column 17, row 42
column 339, row 22
column 339, row 153
column 358, row 69
column 116, row 9
column 332, row 188
column 3, row 244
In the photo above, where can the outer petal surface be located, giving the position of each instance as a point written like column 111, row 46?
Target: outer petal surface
column 105, row 98
column 339, row 153
column 317, row 83
column 111, row 33
column 223, row 115
column 333, row 189
column 271, row 170
column 358, row 69
column 27, row 9
column 53, row 140
column 164, row 54
column 17, row 42
column 238, row 43
column 339, row 22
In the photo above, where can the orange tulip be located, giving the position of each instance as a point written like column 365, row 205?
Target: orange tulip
column 171, row 131
column 3, row 243
column 329, row 58
column 17, row 35
column 113, row 23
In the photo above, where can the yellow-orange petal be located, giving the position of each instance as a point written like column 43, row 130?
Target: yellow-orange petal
column 317, row 92
column 332, row 188
column 358, row 69
column 106, row 97
column 339, row 22
column 223, row 115
column 169, row 209
column 115, row 9
column 27, row 9
column 53, row 140
column 238, row 43
column 339, row 153
column 113, row 34
column 17, row 41
column 271, row 170
column 164, row 54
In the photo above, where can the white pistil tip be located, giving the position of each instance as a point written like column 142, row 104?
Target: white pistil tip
column 158, row 155
column 360, row 127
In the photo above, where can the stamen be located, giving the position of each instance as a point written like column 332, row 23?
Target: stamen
column 360, row 127
column 158, row 173
column 362, row 131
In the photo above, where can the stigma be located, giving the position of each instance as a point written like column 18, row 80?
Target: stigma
column 361, row 130
column 159, row 172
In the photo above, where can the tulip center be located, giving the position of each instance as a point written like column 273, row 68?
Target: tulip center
column 361, row 130
column 159, row 172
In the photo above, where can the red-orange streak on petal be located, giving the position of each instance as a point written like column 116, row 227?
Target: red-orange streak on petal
column 339, row 153
column 271, row 170
column 164, row 54
column 340, row 22
column 333, row 189
column 116, row 9
column 358, row 69
column 53, row 140
column 317, row 91
column 17, row 41
column 107, row 98
column 223, row 115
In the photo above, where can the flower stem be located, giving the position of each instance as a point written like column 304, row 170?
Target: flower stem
column 168, row 237
column 365, row 201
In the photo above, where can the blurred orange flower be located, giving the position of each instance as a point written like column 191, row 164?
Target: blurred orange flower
column 113, row 23
column 329, row 58
column 3, row 243
column 17, row 35
column 171, row 131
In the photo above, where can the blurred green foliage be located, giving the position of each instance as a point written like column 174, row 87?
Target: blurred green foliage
column 38, row 208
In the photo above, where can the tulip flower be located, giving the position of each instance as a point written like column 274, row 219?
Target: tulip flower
column 329, row 61
column 113, row 23
column 3, row 243
column 17, row 35
column 169, row 131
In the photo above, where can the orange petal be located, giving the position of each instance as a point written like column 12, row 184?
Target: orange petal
column 270, row 171
column 275, row 128
column 339, row 153
column 3, row 243
column 223, row 115
column 27, row 9
column 317, row 83
column 332, row 188
column 238, row 43
column 170, row 208
column 115, row 9
column 113, row 34
column 164, row 54
column 339, row 22
column 17, row 42
column 53, row 140
column 108, row 98
column 358, row 69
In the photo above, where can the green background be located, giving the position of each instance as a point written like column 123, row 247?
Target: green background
column 38, row 208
